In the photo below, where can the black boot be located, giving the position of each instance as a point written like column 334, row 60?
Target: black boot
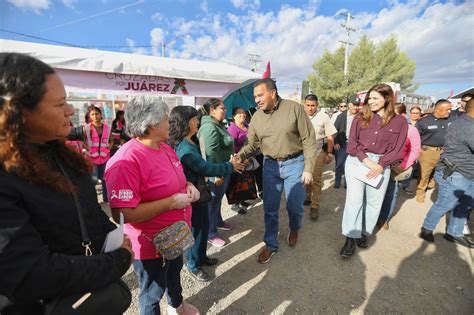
column 362, row 242
column 427, row 235
column 348, row 248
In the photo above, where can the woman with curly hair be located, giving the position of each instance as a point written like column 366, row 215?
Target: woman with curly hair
column 183, row 129
column 376, row 140
column 42, row 254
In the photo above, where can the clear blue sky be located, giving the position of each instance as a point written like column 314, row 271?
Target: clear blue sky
column 290, row 34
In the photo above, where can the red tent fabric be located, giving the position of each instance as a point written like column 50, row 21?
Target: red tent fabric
column 268, row 72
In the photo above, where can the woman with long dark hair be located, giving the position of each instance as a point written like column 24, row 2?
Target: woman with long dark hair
column 376, row 140
column 183, row 129
column 42, row 253
column 219, row 146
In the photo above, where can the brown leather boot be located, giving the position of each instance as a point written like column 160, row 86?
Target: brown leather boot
column 292, row 238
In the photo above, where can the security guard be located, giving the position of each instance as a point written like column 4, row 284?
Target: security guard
column 433, row 129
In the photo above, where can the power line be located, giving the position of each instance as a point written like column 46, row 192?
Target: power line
column 41, row 38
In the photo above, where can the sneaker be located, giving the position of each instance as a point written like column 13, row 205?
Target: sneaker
column 183, row 309
column 200, row 275
column 216, row 241
column 225, row 227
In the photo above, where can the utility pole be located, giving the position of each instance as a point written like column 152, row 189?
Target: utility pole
column 347, row 41
column 254, row 58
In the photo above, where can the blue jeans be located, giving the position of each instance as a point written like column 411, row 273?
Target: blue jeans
column 214, row 206
column 276, row 176
column 341, row 156
column 155, row 279
column 390, row 200
column 363, row 202
column 200, row 227
column 98, row 173
column 455, row 193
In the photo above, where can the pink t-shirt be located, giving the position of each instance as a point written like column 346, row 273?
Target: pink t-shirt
column 139, row 174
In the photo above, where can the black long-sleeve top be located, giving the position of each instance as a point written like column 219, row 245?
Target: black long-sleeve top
column 41, row 256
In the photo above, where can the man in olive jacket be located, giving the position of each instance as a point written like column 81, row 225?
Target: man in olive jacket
column 283, row 132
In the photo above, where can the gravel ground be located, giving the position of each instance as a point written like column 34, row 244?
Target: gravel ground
column 398, row 273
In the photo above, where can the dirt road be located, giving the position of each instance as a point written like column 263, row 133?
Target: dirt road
column 398, row 273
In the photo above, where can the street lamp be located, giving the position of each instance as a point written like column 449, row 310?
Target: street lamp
column 163, row 44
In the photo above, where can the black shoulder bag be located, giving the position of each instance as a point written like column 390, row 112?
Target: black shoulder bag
column 114, row 298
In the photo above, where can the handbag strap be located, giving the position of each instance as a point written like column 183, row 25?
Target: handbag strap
column 86, row 242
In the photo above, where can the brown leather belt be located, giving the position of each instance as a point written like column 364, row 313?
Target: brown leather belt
column 281, row 159
column 427, row 147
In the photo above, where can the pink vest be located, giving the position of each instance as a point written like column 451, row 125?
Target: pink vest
column 98, row 148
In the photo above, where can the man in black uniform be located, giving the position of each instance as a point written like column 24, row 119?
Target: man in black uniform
column 432, row 129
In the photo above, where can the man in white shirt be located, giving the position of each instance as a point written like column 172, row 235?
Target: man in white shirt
column 324, row 130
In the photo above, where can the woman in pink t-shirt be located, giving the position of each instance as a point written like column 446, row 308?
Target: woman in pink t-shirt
column 146, row 183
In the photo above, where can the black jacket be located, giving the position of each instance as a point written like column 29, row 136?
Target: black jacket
column 341, row 124
column 41, row 256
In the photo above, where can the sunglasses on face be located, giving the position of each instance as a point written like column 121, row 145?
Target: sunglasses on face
column 343, row 106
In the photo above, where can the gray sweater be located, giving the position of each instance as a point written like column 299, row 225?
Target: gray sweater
column 459, row 146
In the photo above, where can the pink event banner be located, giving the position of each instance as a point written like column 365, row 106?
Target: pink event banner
column 134, row 83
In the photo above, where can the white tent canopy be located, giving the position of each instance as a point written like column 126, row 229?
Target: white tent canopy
column 123, row 73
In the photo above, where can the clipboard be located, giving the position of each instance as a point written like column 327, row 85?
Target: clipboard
column 361, row 174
